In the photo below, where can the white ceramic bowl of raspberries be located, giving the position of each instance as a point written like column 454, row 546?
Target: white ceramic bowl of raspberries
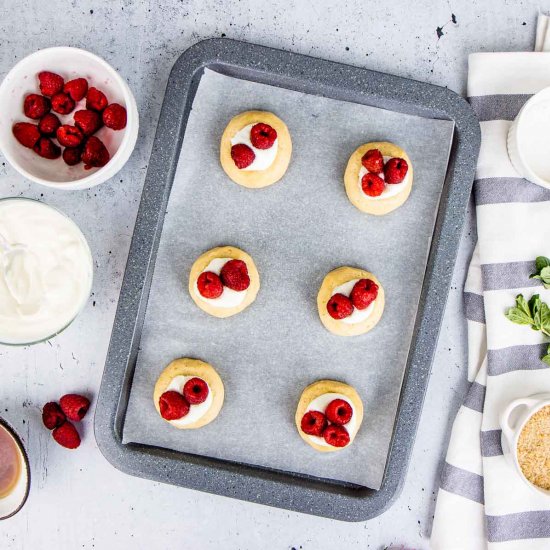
column 67, row 119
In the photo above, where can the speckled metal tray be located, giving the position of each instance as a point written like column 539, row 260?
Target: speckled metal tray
column 304, row 74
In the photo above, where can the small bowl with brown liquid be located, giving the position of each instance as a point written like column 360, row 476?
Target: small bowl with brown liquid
column 15, row 476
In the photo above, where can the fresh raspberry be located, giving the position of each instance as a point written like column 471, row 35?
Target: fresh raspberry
column 373, row 161
column 242, row 155
column 313, row 423
column 50, row 83
column 372, row 185
column 71, row 155
column 96, row 99
column 36, row 106
column 47, row 149
column 114, row 117
column 52, row 415
column 209, row 285
column 69, row 136
column 262, row 136
column 62, row 103
column 364, row 292
column 173, row 405
column 95, row 154
column 195, row 391
column 339, row 412
column 49, row 124
column 26, row 134
column 395, row 170
column 339, row 306
column 336, row 436
column 76, row 88
column 67, row 436
column 234, row 275
column 88, row 121
column 74, row 406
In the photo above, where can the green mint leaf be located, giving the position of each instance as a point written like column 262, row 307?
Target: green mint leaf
column 518, row 316
column 523, row 305
column 545, row 319
column 546, row 359
column 545, row 275
column 535, row 307
column 541, row 262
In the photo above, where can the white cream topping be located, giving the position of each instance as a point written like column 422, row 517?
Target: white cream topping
column 534, row 134
column 264, row 157
column 196, row 412
column 46, row 271
column 358, row 315
column 321, row 403
column 390, row 190
column 229, row 297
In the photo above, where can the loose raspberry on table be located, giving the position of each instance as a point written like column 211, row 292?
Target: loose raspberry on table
column 62, row 103
column 95, row 154
column 71, row 155
column 96, row 99
column 74, row 406
column 67, row 436
column 364, row 292
column 76, row 88
column 26, row 134
column 49, row 124
column 336, row 436
column 173, row 405
column 242, row 155
column 195, row 391
column 372, row 185
column 209, row 285
column 373, row 161
column 50, row 83
column 262, row 136
column 36, row 106
column 234, row 275
column 88, row 121
column 52, row 415
column 339, row 306
column 114, row 117
column 47, row 149
column 313, row 423
column 395, row 170
column 339, row 412
column 69, row 136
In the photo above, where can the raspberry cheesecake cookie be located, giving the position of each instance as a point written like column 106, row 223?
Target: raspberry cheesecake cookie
column 255, row 149
column 350, row 301
column 224, row 281
column 378, row 177
column 329, row 415
column 188, row 394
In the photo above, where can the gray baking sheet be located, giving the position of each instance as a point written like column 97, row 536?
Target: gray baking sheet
column 297, row 231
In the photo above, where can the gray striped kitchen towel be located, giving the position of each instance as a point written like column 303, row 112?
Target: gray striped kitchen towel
column 482, row 503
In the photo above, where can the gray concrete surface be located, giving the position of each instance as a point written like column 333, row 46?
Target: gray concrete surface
column 78, row 500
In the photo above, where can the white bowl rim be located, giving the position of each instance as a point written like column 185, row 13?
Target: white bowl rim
column 88, row 181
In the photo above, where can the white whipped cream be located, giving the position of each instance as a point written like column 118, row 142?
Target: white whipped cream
column 390, row 190
column 196, row 412
column 229, row 297
column 264, row 157
column 534, row 135
column 358, row 315
column 320, row 404
column 46, row 271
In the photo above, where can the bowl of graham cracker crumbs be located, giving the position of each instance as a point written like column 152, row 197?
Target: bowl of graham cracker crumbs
column 525, row 427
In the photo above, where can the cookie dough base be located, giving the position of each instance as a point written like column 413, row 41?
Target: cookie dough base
column 320, row 388
column 339, row 277
column 377, row 207
column 224, row 252
column 192, row 367
column 256, row 179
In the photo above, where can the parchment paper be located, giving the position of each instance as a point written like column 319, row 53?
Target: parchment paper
column 297, row 231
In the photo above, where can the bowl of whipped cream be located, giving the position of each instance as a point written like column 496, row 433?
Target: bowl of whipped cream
column 46, row 271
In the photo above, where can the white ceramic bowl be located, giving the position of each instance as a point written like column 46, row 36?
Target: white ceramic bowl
column 69, row 63
column 528, row 140
column 512, row 421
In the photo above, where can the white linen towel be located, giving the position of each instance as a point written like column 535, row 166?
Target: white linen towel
column 482, row 503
